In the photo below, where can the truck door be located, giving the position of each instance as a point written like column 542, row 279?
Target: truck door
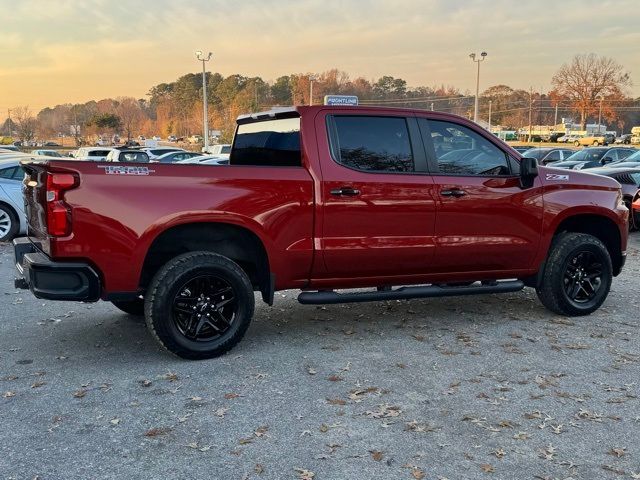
column 485, row 221
column 377, row 200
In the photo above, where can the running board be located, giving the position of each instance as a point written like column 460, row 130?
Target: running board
column 405, row 293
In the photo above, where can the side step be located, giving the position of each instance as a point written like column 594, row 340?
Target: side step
column 404, row 293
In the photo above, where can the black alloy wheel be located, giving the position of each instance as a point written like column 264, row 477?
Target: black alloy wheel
column 204, row 308
column 582, row 277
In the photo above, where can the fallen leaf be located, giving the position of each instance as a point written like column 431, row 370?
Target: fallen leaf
column 80, row 393
column 311, row 371
column 221, row 412
column 156, row 432
column 499, row 453
column 334, row 378
column 305, row 474
column 487, row 468
column 417, row 473
column 258, row 468
column 114, row 421
column 9, row 394
column 38, row 384
column 171, row 376
column 145, row 383
column 376, row 455
column 261, row 431
column 230, row 396
column 618, row 451
column 336, row 401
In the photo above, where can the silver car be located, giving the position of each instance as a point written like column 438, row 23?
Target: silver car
column 13, row 221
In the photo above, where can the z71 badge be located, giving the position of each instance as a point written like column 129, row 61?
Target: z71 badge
column 125, row 170
column 557, row 176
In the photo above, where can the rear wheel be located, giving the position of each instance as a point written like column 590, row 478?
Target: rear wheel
column 576, row 143
column 577, row 275
column 199, row 305
column 9, row 224
column 596, row 143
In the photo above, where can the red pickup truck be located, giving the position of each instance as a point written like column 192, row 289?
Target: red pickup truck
column 395, row 203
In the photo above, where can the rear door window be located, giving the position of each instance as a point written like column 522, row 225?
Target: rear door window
column 274, row 143
column 373, row 144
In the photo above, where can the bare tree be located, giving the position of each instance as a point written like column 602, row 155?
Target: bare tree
column 131, row 115
column 587, row 79
column 26, row 123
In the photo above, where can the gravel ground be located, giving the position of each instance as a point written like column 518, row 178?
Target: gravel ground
column 458, row 388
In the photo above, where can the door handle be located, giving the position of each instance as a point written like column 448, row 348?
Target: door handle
column 345, row 192
column 454, row 192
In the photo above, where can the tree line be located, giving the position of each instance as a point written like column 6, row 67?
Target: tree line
column 582, row 89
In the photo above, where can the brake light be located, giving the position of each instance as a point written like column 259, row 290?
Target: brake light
column 58, row 212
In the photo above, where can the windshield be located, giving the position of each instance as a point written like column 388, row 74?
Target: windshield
column 588, row 155
column 536, row 153
column 635, row 157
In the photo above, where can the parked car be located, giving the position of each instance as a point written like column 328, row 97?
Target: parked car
column 13, row 221
column 521, row 149
column 570, row 138
column 95, row 154
column 155, row 152
column 594, row 157
column 206, row 158
column 320, row 199
column 193, row 139
column 546, row 155
column 51, row 144
column 127, row 155
column 221, row 150
column 9, row 148
column 174, row 157
column 629, row 179
column 589, row 140
column 141, row 138
column 623, row 139
column 46, row 153
column 172, row 138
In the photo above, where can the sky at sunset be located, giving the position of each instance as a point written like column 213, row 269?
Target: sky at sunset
column 59, row 51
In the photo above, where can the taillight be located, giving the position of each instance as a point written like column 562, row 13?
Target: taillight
column 58, row 212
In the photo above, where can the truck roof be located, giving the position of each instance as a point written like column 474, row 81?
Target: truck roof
column 299, row 110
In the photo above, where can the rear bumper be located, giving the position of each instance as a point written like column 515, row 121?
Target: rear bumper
column 75, row 281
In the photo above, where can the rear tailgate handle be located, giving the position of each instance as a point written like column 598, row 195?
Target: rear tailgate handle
column 454, row 192
column 345, row 192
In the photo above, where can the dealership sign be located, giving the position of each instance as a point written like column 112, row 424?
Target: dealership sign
column 348, row 100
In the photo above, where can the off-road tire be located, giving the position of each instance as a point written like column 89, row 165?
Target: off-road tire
column 132, row 307
column 551, row 290
column 9, row 214
column 164, row 287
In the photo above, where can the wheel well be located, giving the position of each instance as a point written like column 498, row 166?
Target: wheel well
column 13, row 210
column 600, row 227
column 236, row 243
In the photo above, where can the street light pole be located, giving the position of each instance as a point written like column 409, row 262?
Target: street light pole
column 600, row 114
column 311, row 80
column 472, row 56
column 200, row 56
column 489, row 116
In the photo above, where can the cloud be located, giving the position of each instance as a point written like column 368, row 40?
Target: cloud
column 130, row 46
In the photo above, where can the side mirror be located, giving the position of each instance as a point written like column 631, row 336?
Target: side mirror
column 528, row 171
column 606, row 160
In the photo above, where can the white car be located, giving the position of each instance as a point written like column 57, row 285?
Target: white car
column 222, row 150
column 128, row 156
column 206, row 160
column 95, row 154
column 46, row 153
column 155, row 152
column 13, row 220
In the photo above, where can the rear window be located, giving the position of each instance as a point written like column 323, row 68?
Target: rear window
column 133, row 157
column 273, row 143
column 98, row 153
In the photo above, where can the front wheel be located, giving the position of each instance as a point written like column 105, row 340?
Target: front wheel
column 199, row 305
column 596, row 143
column 577, row 275
column 576, row 143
